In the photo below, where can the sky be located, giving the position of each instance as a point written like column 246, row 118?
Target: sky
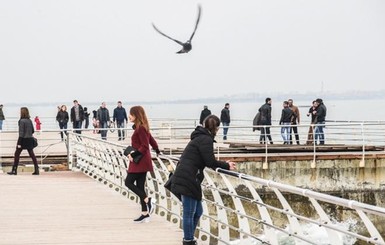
column 99, row 50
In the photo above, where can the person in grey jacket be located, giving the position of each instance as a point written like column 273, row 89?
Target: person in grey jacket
column 188, row 176
column 25, row 141
column 103, row 117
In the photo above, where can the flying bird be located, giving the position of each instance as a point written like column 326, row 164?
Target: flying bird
column 186, row 47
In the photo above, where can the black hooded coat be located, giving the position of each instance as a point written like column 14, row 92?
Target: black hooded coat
column 198, row 154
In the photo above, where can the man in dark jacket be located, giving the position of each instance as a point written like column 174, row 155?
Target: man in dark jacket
column 320, row 113
column 188, row 176
column 120, row 117
column 103, row 117
column 77, row 116
column 204, row 113
column 225, row 120
column 265, row 111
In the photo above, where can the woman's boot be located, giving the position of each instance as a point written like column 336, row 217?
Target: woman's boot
column 14, row 170
column 36, row 172
column 191, row 242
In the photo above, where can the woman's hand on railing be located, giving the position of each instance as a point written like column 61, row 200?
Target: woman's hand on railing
column 231, row 165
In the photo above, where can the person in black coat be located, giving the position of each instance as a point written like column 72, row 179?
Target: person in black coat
column 225, row 120
column 265, row 111
column 204, row 113
column 188, row 175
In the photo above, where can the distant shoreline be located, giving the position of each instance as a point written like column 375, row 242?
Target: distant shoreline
column 249, row 97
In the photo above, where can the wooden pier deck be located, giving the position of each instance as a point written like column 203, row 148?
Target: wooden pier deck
column 70, row 208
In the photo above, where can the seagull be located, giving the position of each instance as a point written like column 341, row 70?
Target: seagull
column 186, row 47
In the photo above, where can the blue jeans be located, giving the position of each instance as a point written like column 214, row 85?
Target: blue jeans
column 120, row 131
column 77, row 125
column 192, row 211
column 319, row 133
column 285, row 132
column 225, row 129
column 1, row 124
column 103, row 132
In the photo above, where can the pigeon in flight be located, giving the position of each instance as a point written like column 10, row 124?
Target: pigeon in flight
column 186, row 47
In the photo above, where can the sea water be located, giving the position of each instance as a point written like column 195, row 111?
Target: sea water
column 339, row 110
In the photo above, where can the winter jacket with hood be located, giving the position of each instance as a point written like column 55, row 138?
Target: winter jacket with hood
column 198, row 154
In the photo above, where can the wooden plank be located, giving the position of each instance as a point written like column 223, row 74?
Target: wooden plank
column 70, row 208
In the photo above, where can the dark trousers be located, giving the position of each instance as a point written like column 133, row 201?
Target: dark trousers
column 295, row 130
column 265, row 133
column 135, row 182
column 63, row 125
column 17, row 157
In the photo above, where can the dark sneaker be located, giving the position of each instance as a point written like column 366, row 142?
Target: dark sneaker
column 150, row 206
column 143, row 219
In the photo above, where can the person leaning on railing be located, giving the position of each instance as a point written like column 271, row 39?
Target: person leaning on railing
column 188, row 175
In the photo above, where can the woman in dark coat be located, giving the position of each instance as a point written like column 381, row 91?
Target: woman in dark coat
column 141, row 140
column 25, row 141
column 188, row 176
column 62, row 117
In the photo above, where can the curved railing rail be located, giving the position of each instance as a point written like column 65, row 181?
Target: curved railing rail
column 239, row 208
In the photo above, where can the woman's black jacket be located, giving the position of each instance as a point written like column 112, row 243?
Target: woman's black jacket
column 198, row 154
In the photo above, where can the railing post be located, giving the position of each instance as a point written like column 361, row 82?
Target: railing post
column 69, row 151
column 265, row 164
column 313, row 163
column 362, row 162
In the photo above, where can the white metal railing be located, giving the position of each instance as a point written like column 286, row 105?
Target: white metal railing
column 239, row 208
column 360, row 135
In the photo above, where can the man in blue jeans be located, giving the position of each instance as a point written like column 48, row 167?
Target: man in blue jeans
column 320, row 113
column 225, row 120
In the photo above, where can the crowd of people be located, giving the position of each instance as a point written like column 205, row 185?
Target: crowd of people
column 290, row 120
column 101, row 119
column 197, row 155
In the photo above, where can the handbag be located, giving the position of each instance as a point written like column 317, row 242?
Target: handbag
column 129, row 149
column 168, row 184
column 35, row 144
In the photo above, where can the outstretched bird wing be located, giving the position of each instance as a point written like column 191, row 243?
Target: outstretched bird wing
column 156, row 29
column 196, row 25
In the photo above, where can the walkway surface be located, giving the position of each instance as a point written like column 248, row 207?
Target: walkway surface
column 71, row 208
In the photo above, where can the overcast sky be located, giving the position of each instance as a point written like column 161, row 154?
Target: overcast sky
column 95, row 50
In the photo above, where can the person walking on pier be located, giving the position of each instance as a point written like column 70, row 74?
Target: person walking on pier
column 62, row 118
column 86, row 118
column 141, row 140
column 320, row 113
column 285, row 121
column 2, row 118
column 120, row 118
column 188, row 175
column 77, row 117
column 312, row 112
column 225, row 120
column 265, row 111
column 103, row 117
column 25, row 141
column 204, row 113
column 295, row 120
